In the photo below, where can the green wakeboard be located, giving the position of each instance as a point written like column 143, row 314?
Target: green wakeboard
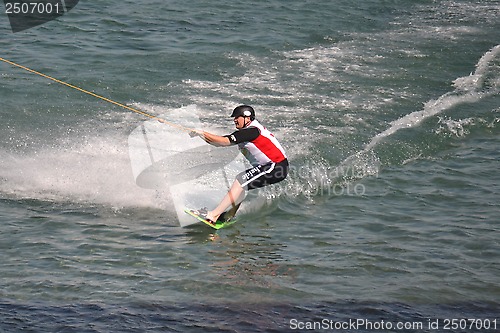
column 221, row 222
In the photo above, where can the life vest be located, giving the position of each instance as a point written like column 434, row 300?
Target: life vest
column 264, row 149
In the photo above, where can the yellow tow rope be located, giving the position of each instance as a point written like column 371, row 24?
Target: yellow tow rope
column 182, row 128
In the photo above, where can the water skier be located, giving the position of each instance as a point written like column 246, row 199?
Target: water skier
column 263, row 151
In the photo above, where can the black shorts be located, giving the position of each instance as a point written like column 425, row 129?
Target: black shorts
column 263, row 175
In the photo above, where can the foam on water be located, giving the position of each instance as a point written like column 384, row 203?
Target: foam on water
column 455, row 127
column 484, row 82
column 97, row 172
column 322, row 178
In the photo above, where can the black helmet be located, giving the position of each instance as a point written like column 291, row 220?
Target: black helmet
column 244, row 111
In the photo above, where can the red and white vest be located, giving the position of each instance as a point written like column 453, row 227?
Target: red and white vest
column 264, row 149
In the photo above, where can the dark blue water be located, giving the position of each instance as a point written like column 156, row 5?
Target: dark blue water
column 389, row 111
